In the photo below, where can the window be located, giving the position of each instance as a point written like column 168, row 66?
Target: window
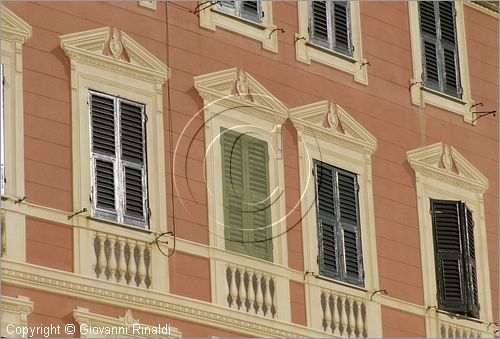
column 439, row 48
column 439, row 56
column 339, row 235
column 253, row 19
column 118, row 159
column 249, row 10
column 247, row 211
column 330, row 25
column 330, row 33
column 453, row 230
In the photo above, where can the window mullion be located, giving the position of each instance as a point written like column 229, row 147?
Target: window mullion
column 439, row 47
column 330, row 24
column 339, row 234
column 119, row 182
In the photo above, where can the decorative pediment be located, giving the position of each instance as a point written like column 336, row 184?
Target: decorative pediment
column 114, row 49
column 330, row 122
column 235, row 88
column 13, row 27
column 445, row 163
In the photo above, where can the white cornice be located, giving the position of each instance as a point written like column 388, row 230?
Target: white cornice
column 149, row 301
column 444, row 163
column 331, row 123
column 13, row 27
column 114, row 50
column 239, row 90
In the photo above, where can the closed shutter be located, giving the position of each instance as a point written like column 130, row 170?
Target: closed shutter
column 320, row 23
column 325, row 209
column 341, row 27
column 448, row 42
column 430, row 48
column 259, row 205
column 349, row 223
column 470, row 259
column 227, row 4
column 133, row 150
column 448, row 246
column 251, row 10
column 103, row 125
column 233, row 191
column 105, row 185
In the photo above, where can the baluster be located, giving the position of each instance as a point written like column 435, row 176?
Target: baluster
column 132, row 267
column 327, row 314
column 452, row 332
column 466, row 333
column 343, row 316
column 122, row 264
column 444, row 328
column 102, row 262
column 351, row 324
column 141, row 270
column 233, row 292
column 267, row 296
column 150, row 266
column 251, row 293
column 460, row 332
column 359, row 316
column 112, row 259
column 243, row 291
column 336, row 316
column 259, row 297
column 275, row 299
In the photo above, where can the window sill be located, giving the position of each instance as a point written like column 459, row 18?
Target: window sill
column 252, row 23
column 116, row 227
column 331, row 52
column 329, row 281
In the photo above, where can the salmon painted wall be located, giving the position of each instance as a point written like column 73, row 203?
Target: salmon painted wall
column 383, row 107
column 45, row 314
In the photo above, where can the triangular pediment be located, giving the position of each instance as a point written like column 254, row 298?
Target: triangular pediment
column 330, row 121
column 13, row 27
column 233, row 84
column 444, row 162
column 116, row 50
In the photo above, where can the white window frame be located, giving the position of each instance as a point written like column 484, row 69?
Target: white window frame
column 455, row 179
column 328, row 133
column 264, row 31
column 420, row 95
column 306, row 50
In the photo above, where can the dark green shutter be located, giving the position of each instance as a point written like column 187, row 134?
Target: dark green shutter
column 430, row 48
column 449, row 46
column 341, row 27
column 227, row 4
column 250, row 10
column 105, row 185
column 319, row 23
column 347, row 188
column 470, row 259
column 448, row 246
column 325, row 209
column 102, row 110
column 133, row 141
column 258, row 203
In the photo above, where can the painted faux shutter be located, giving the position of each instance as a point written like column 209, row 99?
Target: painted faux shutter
column 102, row 110
column 326, row 220
column 448, row 244
column 319, row 23
column 470, row 259
column 133, row 156
column 347, row 188
column 341, row 27
column 232, row 176
column 449, row 47
column 251, row 10
column 430, row 48
column 259, row 205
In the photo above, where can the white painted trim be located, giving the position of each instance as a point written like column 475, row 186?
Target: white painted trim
column 306, row 51
column 15, row 313
column 468, row 185
column 420, row 95
column 211, row 18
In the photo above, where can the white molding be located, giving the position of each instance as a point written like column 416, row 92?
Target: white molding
column 150, row 4
column 441, row 172
column 93, row 325
column 306, row 51
column 15, row 312
column 420, row 95
column 211, row 18
column 14, row 32
column 327, row 132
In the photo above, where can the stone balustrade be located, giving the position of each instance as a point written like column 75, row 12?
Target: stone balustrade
column 343, row 315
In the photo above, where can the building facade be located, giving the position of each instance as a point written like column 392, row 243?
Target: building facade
column 249, row 169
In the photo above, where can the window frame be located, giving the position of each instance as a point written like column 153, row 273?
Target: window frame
column 306, row 50
column 213, row 17
column 443, row 183
column 251, row 110
column 421, row 95
column 237, row 10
